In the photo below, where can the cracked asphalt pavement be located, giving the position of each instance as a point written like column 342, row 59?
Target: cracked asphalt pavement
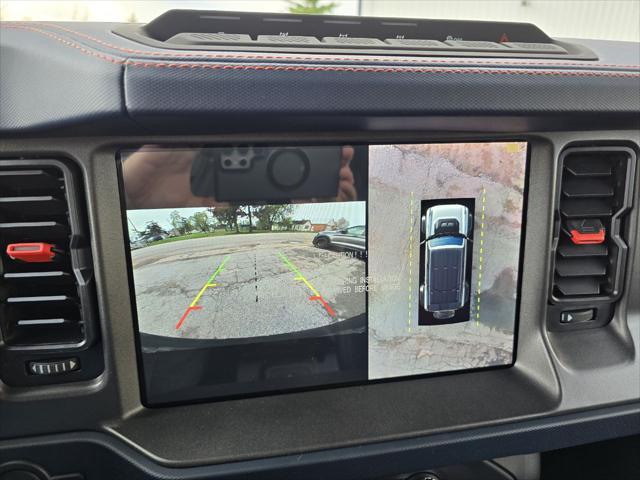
column 244, row 285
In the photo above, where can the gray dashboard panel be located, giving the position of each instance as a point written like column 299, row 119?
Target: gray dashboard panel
column 565, row 388
column 44, row 86
column 543, row 382
column 103, row 457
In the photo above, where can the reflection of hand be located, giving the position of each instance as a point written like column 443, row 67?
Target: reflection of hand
column 346, row 187
column 156, row 178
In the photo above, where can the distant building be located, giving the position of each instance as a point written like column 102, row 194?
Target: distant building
column 302, row 225
column 318, row 227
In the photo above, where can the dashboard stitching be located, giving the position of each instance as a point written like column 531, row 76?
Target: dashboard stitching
column 323, row 68
column 68, row 43
column 377, row 69
column 294, row 57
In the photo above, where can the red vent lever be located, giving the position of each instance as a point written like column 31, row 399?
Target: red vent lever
column 586, row 232
column 31, row 252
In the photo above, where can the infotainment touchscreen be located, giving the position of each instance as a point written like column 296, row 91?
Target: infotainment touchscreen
column 257, row 269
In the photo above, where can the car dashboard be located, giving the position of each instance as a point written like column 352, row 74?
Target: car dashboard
column 428, row 231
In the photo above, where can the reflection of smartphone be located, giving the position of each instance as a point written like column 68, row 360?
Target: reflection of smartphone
column 257, row 174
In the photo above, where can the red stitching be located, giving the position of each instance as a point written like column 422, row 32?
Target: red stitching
column 561, row 73
column 328, row 58
column 68, row 43
column 303, row 68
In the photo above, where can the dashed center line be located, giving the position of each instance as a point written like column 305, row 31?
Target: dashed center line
column 255, row 273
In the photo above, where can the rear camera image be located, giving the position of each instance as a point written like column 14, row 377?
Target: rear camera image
column 249, row 266
column 444, row 247
column 247, row 271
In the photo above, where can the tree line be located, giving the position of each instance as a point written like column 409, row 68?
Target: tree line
column 262, row 217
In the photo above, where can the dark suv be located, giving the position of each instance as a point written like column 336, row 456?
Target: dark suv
column 447, row 229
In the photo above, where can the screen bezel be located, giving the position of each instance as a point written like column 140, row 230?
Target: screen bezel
column 149, row 403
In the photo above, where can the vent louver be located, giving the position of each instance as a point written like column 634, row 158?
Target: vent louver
column 46, row 303
column 593, row 198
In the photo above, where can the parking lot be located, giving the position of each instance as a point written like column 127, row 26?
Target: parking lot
column 243, row 285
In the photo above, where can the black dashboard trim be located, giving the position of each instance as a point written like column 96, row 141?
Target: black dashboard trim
column 100, row 455
column 100, row 80
column 500, row 69
column 269, row 56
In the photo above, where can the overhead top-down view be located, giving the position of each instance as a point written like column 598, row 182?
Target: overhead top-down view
column 319, row 239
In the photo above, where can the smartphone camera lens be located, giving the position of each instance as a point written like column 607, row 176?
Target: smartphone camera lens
column 288, row 168
column 243, row 162
column 227, row 162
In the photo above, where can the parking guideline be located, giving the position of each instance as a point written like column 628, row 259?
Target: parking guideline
column 316, row 295
column 481, row 255
column 193, row 305
column 210, row 283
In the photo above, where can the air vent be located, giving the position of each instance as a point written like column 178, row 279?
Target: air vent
column 46, row 300
column 595, row 193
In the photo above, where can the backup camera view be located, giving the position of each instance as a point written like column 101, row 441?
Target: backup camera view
column 249, row 271
column 269, row 268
